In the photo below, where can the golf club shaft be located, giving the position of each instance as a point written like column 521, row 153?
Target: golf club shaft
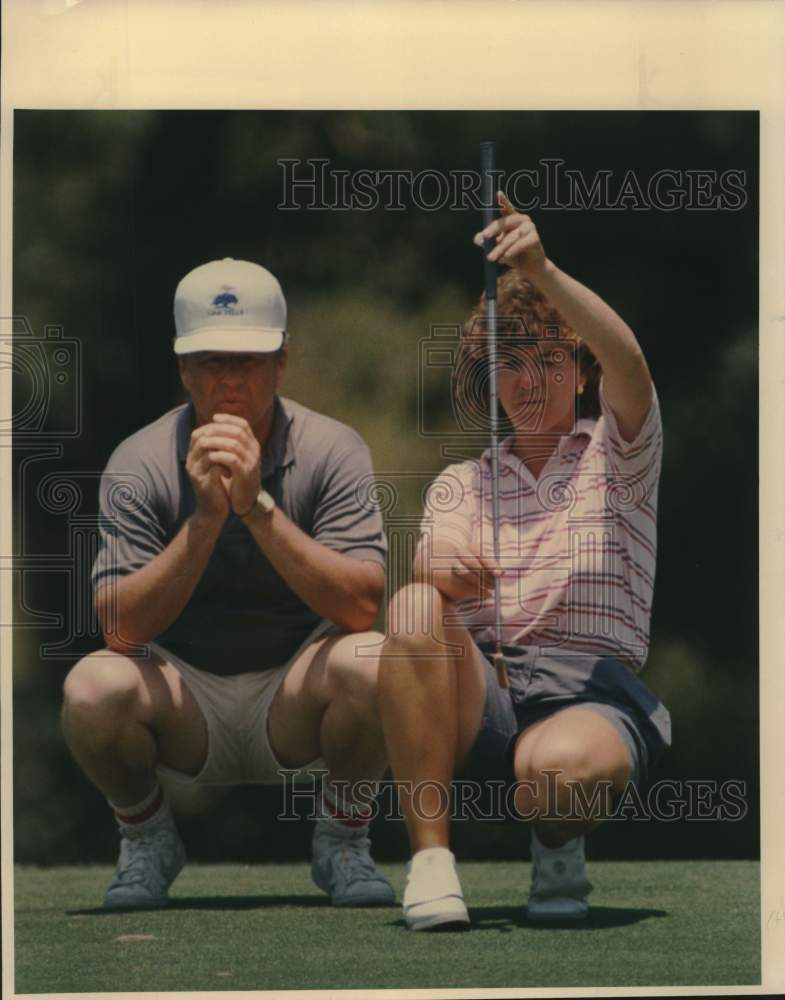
column 488, row 167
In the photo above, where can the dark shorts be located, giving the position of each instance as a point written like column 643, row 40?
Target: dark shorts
column 543, row 684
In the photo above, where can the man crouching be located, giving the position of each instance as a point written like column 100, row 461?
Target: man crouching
column 236, row 569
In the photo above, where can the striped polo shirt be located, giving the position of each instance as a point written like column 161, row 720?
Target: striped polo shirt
column 577, row 545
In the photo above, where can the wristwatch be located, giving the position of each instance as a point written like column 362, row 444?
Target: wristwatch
column 263, row 505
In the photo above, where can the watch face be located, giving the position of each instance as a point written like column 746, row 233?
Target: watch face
column 265, row 501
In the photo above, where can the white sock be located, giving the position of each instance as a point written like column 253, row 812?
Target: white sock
column 342, row 816
column 144, row 814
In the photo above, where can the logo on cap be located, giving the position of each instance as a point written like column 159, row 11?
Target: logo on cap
column 224, row 303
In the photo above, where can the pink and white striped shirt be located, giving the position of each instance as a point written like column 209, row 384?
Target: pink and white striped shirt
column 577, row 545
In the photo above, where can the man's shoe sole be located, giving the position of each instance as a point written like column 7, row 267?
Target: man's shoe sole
column 383, row 896
column 378, row 899
column 130, row 904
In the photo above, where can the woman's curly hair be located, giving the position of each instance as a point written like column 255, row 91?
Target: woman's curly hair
column 522, row 311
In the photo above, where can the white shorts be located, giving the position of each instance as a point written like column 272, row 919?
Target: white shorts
column 236, row 709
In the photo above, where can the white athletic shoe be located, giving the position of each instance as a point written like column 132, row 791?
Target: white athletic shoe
column 150, row 860
column 559, row 884
column 433, row 898
column 343, row 867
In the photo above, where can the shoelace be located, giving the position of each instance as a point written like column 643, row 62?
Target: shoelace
column 139, row 855
column 353, row 859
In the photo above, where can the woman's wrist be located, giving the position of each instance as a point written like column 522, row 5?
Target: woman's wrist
column 542, row 276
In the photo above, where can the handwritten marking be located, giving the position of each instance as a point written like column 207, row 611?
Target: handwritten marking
column 776, row 917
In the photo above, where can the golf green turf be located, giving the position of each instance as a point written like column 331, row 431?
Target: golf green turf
column 232, row 927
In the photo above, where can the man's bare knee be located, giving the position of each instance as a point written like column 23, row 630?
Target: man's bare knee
column 99, row 678
column 102, row 687
column 352, row 668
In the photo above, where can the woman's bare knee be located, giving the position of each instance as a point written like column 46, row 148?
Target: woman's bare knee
column 562, row 760
column 416, row 614
column 420, row 628
column 562, row 775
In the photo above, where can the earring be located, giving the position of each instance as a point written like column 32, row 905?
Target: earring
column 580, row 388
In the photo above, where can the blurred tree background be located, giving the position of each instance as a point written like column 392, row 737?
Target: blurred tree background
column 111, row 209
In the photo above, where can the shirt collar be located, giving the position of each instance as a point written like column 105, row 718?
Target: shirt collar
column 185, row 425
column 278, row 449
column 279, row 446
column 584, row 428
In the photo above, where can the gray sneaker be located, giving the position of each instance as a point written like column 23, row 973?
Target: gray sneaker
column 559, row 884
column 149, row 862
column 344, row 869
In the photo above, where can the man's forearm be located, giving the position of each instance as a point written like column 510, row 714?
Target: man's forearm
column 338, row 587
column 138, row 607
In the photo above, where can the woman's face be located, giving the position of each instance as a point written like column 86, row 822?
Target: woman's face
column 537, row 382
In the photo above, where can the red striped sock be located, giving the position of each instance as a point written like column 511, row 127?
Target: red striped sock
column 142, row 811
column 351, row 815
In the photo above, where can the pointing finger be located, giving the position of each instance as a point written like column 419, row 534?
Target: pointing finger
column 504, row 203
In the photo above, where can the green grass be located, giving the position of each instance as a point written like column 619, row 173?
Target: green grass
column 266, row 927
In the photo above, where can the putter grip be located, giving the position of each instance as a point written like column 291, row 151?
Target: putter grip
column 487, row 171
column 500, row 666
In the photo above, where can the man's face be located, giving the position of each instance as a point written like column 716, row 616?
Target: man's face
column 536, row 383
column 230, row 382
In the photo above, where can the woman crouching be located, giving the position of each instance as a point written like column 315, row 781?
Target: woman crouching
column 577, row 484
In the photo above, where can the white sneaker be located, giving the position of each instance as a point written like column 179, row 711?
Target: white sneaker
column 343, row 867
column 559, row 884
column 433, row 897
column 150, row 860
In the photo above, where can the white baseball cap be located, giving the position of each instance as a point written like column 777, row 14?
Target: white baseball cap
column 229, row 305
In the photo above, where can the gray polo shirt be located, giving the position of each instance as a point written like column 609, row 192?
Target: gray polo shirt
column 242, row 615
